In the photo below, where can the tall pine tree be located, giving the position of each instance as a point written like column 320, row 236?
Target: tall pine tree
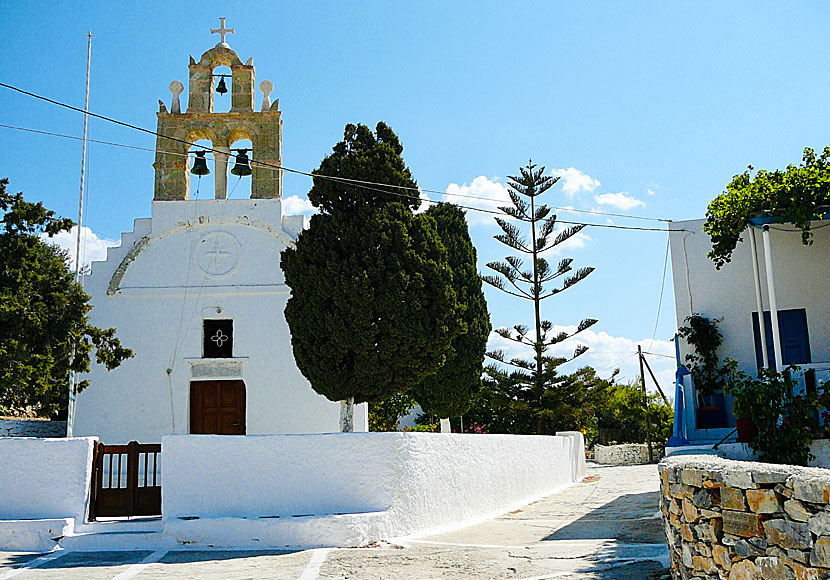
column 530, row 381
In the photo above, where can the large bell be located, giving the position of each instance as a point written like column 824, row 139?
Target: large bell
column 221, row 88
column 242, row 166
column 200, row 164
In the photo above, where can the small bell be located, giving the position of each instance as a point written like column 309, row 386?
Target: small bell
column 242, row 166
column 200, row 164
column 221, row 88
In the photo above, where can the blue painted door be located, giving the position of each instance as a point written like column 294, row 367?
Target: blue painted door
column 795, row 338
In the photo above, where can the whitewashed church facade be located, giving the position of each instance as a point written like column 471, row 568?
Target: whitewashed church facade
column 197, row 290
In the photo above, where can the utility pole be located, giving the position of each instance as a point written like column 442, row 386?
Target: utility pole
column 645, row 404
column 73, row 379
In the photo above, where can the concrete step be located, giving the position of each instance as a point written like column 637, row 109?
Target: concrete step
column 115, row 541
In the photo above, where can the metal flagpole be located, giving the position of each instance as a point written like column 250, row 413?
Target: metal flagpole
column 73, row 379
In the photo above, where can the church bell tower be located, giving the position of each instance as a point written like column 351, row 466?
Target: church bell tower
column 177, row 129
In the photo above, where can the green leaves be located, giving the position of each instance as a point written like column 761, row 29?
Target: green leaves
column 357, row 160
column 373, row 310
column 43, row 313
column 797, row 195
column 532, row 387
column 449, row 391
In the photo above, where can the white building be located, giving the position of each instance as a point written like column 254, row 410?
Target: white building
column 770, row 271
column 197, row 290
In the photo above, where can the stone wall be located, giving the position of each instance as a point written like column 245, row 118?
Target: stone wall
column 32, row 428
column 736, row 520
column 626, row 454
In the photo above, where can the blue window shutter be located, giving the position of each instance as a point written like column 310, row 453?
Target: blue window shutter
column 795, row 339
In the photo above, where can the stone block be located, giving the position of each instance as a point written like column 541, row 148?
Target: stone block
column 686, row 533
column 819, row 524
column 703, row 499
column 787, row 534
column 763, row 501
column 820, row 555
column 690, row 512
column 720, row 554
column 797, row 510
column 704, row 564
column 798, row 556
column 675, row 507
column 744, row 549
column 732, row 498
column 784, row 490
column 676, row 490
column 744, row 570
column 703, row 549
column 738, row 478
column 805, row 573
column 813, row 491
column 767, row 477
column 743, row 524
column 773, row 568
column 686, row 556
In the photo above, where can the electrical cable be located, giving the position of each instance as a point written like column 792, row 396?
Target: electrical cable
column 357, row 183
column 662, row 287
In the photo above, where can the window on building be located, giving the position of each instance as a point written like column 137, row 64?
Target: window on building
column 217, row 339
column 795, row 339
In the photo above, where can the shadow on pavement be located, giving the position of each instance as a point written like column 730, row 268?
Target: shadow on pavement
column 630, row 519
column 108, row 558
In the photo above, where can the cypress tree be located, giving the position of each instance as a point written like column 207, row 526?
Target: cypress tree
column 449, row 392
column 372, row 310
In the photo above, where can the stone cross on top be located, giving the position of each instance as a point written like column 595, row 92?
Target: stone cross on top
column 222, row 31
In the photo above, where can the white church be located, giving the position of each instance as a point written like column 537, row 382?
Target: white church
column 197, row 291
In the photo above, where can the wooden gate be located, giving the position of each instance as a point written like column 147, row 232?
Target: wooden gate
column 126, row 480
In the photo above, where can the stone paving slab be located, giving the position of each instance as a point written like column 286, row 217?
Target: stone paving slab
column 605, row 528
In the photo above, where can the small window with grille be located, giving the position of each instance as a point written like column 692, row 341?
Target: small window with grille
column 218, row 339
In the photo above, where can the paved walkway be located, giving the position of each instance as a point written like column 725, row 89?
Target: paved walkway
column 606, row 527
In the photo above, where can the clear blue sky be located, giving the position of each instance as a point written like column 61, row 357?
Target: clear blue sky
column 661, row 102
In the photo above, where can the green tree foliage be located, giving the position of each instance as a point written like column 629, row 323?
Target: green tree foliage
column 796, row 194
column 622, row 417
column 449, row 392
column 363, row 157
column 505, row 406
column 536, row 379
column 372, row 309
column 43, row 313
column 384, row 415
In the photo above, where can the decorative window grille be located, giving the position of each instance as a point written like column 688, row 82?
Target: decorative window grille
column 217, row 339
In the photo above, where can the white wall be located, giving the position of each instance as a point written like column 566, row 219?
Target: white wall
column 416, row 481
column 45, row 478
column 162, row 293
column 801, row 274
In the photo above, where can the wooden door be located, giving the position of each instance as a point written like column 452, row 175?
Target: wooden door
column 217, row 407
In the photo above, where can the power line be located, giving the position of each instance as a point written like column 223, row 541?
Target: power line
column 358, row 183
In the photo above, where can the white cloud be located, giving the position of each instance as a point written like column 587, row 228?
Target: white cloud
column 605, row 353
column 574, row 181
column 575, row 242
column 93, row 246
column 650, row 191
column 619, row 200
column 486, row 194
column 294, row 205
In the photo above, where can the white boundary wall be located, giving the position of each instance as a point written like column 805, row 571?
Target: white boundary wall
column 350, row 489
column 45, row 478
column 44, row 490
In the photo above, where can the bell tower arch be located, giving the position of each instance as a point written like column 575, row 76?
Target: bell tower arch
column 263, row 127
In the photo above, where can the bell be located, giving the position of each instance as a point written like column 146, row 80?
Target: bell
column 242, row 166
column 200, row 164
column 221, row 88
